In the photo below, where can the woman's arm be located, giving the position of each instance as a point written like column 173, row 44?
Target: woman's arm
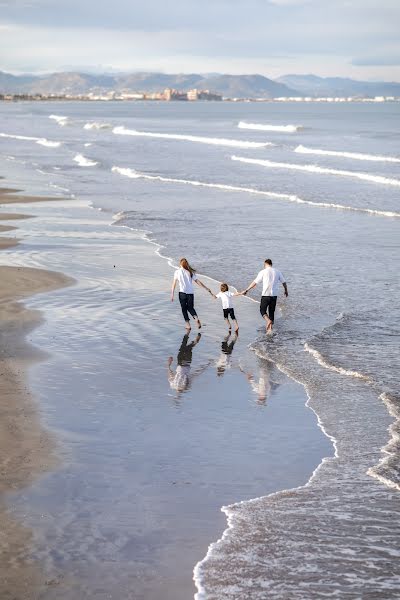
column 173, row 290
column 201, row 284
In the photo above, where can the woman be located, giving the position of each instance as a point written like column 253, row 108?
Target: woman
column 185, row 276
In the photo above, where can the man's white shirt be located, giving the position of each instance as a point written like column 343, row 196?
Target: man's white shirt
column 270, row 278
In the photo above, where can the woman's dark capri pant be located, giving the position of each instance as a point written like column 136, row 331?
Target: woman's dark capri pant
column 187, row 305
column 267, row 306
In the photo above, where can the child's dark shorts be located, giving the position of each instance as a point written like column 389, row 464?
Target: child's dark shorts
column 229, row 312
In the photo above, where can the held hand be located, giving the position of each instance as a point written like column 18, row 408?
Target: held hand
column 244, row 293
column 286, row 294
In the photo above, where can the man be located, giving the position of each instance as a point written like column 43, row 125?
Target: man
column 270, row 278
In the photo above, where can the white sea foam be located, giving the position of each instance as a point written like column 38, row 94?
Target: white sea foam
column 41, row 141
column 84, row 162
column 131, row 173
column 378, row 471
column 353, row 155
column 320, row 170
column 97, row 125
column 192, row 138
column 87, row 144
column 266, row 127
column 59, row 119
column 321, row 361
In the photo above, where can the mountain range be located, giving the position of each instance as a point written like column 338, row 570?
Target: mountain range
column 232, row 86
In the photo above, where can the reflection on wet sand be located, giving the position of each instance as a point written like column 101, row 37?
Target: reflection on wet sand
column 180, row 380
column 224, row 362
column 264, row 383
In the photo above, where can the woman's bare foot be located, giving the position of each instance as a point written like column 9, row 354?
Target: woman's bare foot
column 198, row 323
column 187, row 327
column 237, row 329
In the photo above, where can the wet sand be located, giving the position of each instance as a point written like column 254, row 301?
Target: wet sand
column 26, row 448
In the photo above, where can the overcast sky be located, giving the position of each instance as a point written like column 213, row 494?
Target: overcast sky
column 354, row 38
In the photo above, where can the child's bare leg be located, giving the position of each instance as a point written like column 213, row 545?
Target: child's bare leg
column 228, row 323
column 236, row 325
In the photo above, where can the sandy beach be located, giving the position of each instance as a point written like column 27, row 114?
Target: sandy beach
column 26, row 448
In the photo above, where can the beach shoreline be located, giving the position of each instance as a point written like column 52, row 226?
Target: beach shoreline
column 27, row 449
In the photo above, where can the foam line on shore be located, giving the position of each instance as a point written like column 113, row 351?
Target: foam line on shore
column 133, row 174
column 40, row 141
column 266, row 127
column 191, row 138
column 320, row 170
column 352, row 155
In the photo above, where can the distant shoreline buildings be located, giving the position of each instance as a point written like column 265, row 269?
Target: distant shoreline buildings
column 173, row 95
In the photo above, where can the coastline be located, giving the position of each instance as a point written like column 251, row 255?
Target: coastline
column 26, row 447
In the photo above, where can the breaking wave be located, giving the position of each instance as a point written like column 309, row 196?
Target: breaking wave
column 320, row 170
column 97, row 125
column 61, row 120
column 40, row 141
column 84, row 162
column 192, row 138
column 132, row 174
column 354, row 155
column 261, row 127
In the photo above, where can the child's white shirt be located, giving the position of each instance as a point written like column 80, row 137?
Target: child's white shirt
column 226, row 299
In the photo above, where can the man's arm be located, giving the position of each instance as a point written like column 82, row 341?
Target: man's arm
column 285, row 288
column 249, row 287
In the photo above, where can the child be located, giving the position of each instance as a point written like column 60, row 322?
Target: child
column 227, row 305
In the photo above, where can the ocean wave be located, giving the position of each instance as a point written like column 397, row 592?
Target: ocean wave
column 387, row 470
column 354, row 155
column 320, row 170
column 40, row 141
column 132, row 174
column 59, row 119
column 84, row 162
column 262, row 127
column 97, row 125
column 327, row 365
column 192, row 138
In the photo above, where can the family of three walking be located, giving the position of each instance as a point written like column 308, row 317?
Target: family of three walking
column 185, row 276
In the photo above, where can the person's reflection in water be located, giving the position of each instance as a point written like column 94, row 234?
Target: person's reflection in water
column 224, row 361
column 263, row 385
column 181, row 378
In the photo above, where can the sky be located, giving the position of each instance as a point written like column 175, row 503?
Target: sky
column 345, row 38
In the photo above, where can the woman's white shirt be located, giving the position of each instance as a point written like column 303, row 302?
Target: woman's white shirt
column 226, row 299
column 185, row 280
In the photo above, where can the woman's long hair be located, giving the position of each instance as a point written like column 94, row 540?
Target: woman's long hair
column 184, row 263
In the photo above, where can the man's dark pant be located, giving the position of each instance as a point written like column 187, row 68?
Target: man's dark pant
column 187, row 302
column 267, row 307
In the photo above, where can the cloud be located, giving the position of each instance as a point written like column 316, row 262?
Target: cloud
column 302, row 35
column 376, row 61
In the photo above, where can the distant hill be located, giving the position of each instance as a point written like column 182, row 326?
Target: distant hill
column 311, row 85
column 231, row 86
column 242, row 86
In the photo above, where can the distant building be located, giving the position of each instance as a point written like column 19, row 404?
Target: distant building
column 193, row 95
column 170, row 94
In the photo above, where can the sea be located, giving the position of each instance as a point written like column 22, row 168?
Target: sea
column 316, row 188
